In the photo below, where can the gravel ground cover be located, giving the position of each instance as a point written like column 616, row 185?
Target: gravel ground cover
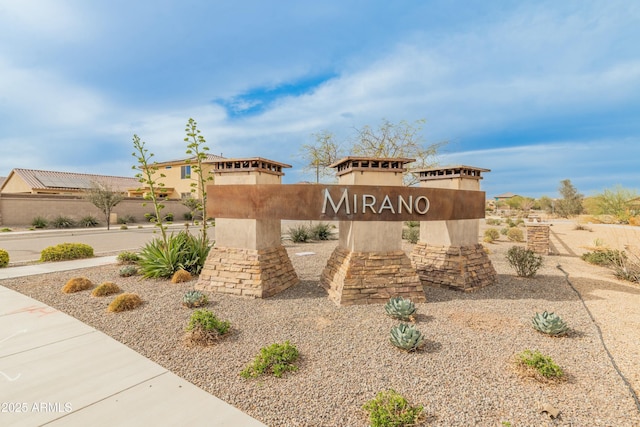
column 463, row 376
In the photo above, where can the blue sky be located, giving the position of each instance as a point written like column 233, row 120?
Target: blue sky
column 536, row 91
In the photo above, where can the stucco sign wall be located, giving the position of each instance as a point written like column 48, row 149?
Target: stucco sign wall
column 343, row 202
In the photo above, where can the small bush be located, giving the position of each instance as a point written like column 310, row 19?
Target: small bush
column 524, row 261
column 124, row 302
column 62, row 221
column 582, row 227
column 124, row 227
column 390, row 409
column 194, row 298
column 504, row 231
column 412, row 224
column 275, row 359
column 205, row 328
column 491, row 235
column 127, row 257
column 168, row 217
column 39, row 222
column 5, row 229
column 66, row 251
column 77, row 284
column 412, row 235
column 181, row 276
column 4, row 258
column 605, row 257
column 88, row 221
column 629, row 272
column 151, row 217
column 126, row 219
column 515, row 235
column 539, row 366
column 128, row 271
column 320, row 231
column 493, row 221
column 106, row 288
column 299, row 234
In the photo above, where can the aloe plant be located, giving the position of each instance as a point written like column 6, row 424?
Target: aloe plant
column 406, row 337
column 400, row 308
column 194, row 298
column 550, row 324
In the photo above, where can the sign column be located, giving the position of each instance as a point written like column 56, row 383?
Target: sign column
column 369, row 265
column 248, row 257
column 448, row 253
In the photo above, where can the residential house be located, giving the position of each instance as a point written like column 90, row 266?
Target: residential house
column 177, row 177
column 31, row 181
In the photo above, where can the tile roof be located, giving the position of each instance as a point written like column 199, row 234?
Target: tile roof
column 40, row 180
column 210, row 159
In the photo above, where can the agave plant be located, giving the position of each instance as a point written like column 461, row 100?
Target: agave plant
column 194, row 298
column 406, row 337
column 550, row 324
column 400, row 308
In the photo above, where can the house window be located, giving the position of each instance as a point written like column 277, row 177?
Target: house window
column 185, row 172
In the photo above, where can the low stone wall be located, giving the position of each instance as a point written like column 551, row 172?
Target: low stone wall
column 459, row 267
column 538, row 238
column 370, row 277
column 248, row 272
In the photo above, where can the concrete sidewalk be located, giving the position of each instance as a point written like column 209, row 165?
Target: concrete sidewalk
column 55, row 370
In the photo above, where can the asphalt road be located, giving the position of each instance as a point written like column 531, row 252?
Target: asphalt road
column 25, row 246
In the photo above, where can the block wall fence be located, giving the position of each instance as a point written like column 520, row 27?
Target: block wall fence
column 19, row 210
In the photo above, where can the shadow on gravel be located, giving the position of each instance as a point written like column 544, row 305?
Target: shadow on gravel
column 305, row 289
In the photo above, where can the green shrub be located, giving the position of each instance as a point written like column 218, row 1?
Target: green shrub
column 127, row 257
column 390, row 409
column 88, row 221
column 66, row 251
column 125, row 302
column 515, row 234
column 128, row 271
column 62, row 221
column 491, row 235
column 4, row 258
column 168, row 217
column 39, row 222
column 412, row 224
column 540, row 364
column 320, row 231
column 183, row 251
column 605, row 257
column 504, row 231
column 205, row 328
column 524, row 261
column 276, row 359
column 412, row 235
column 493, row 221
column 299, row 234
column 5, row 230
column 126, row 219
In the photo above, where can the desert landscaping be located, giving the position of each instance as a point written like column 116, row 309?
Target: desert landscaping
column 464, row 374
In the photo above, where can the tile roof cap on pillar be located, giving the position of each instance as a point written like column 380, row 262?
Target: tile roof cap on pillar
column 447, row 172
column 249, row 164
column 371, row 164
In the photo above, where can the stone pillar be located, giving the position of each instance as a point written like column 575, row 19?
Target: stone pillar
column 538, row 238
column 248, row 257
column 369, row 265
column 448, row 253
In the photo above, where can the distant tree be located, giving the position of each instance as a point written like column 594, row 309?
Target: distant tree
column 571, row 202
column 545, row 203
column 614, row 202
column 402, row 139
column 320, row 155
column 104, row 198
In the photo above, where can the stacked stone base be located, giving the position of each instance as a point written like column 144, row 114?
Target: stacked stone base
column 370, row 277
column 538, row 238
column 458, row 267
column 254, row 273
